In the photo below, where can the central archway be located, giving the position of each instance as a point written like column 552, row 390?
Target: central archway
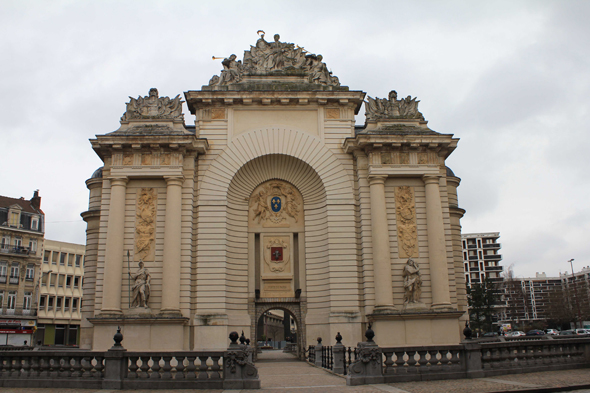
column 307, row 238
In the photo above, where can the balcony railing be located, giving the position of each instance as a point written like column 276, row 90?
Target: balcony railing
column 19, row 311
column 496, row 257
column 2, row 279
column 18, row 250
column 13, row 280
column 492, row 246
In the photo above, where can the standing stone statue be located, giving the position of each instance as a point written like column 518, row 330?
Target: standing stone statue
column 412, row 282
column 141, row 287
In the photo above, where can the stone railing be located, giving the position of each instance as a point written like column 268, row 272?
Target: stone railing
column 368, row 363
column 119, row 369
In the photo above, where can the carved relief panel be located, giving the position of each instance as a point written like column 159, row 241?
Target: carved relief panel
column 275, row 204
column 407, row 230
column 277, row 269
column 145, row 224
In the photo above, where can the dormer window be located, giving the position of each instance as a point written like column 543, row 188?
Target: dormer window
column 35, row 223
column 14, row 219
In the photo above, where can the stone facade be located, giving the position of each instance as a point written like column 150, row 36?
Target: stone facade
column 273, row 199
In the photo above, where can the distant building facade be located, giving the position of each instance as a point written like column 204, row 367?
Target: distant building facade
column 60, row 298
column 22, row 225
column 481, row 257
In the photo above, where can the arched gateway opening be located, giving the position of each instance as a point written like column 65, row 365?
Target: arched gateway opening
column 281, row 201
column 277, row 329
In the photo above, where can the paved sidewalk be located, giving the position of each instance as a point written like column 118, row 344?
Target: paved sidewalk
column 282, row 373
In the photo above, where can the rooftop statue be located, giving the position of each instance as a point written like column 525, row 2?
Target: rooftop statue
column 275, row 58
column 154, row 107
column 392, row 108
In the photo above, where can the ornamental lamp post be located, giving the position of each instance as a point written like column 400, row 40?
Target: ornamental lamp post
column 571, row 261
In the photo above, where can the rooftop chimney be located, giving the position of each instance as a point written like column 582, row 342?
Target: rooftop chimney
column 36, row 200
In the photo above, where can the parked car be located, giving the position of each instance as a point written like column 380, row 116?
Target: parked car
column 491, row 334
column 580, row 332
column 516, row 333
column 552, row 332
column 535, row 332
column 567, row 333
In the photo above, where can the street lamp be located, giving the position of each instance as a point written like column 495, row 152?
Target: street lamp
column 571, row 261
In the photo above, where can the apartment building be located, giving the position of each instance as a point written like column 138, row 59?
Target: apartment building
column 480, row 257
column 22, row 225
column 62, row 273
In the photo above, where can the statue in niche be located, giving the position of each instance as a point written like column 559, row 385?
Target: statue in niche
column 141, row 287
column 412, row 282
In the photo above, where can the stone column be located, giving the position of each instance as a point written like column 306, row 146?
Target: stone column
column 381, row 248
column 113, row 269
column 437, row 251
column 172, row 230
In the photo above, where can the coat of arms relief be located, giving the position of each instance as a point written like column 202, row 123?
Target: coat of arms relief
column 275, row 203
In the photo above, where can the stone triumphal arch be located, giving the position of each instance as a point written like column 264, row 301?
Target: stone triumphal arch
column 273, row 199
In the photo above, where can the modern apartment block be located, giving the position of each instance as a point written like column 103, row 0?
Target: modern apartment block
column 62, row 273
column 527, row 298
column 21, row 230
column 481, row 257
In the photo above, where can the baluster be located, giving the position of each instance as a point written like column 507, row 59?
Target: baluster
column 422, row 361
column 26, row 366
column 155, row 367
column 191, row 367
column 203, row 368
column 145, row 367
column 166, row 368
column 44, row 367
column 133, row 367
column 13, row 367
column 486, row 358
column 455, row 359
column 412, row 363
column 400, row 362
column 77, row 366
column 215, row 368
column 34, row 367
column 66, row 367
column 99, row 367
column 179, row 374
column 86, row 364
column 388, row 361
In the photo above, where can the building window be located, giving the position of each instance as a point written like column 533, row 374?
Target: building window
column 1, row 299
column 18, row 242
column 58, row 303
column 35, row 223
column 14, row 270
column 14, row 219
column 70, row 259
column 3, row 269
column 60, row 281
column 50, row 302
column 30, row 272
column 67, row 304
column 68, row 281
column 75, row 304
column 28, row 300
column 62, row 258
column 76, row 282
column 11, row 300
column 78, row 258
column 60, row 334
column 5, row 241
column 52, row 280
column 33, row 246
column 42, row 301
column 46, row 256
column 54, row 257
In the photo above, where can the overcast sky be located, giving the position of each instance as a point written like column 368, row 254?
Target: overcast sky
column 510, row 79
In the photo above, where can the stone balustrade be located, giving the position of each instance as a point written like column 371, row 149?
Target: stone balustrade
column 119, row 369
column 470, row 359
